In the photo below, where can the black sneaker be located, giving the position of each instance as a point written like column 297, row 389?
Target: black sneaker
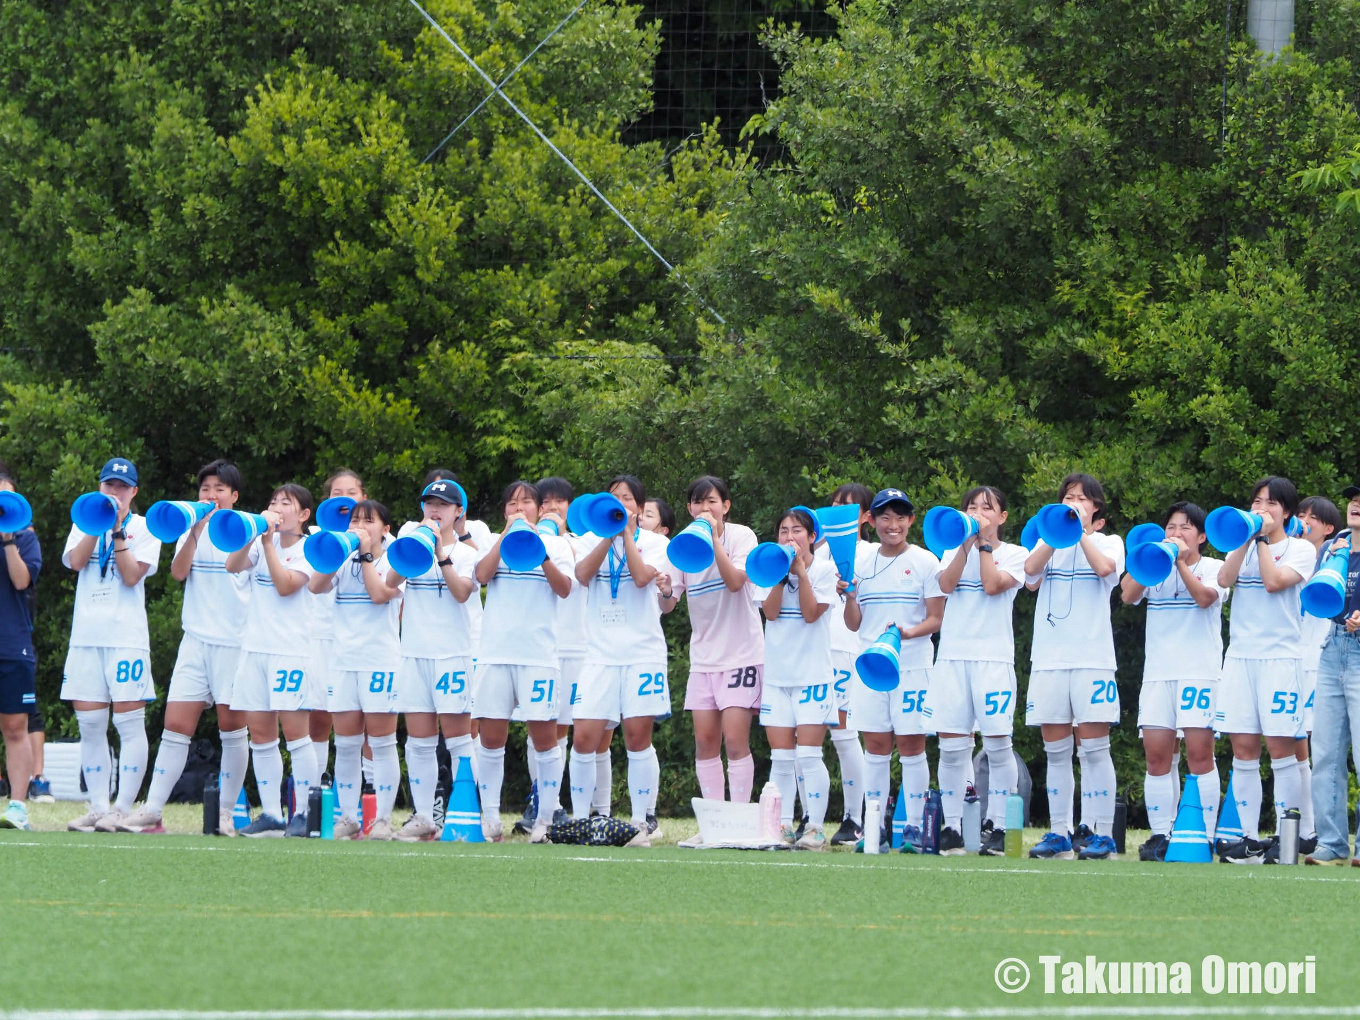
column 1244, row 851
column 526, row 823
column 1082, row 837
column 951, row 843
column 1306, row 846
column 849, row 833
column 1272, row 854
column 993, row 841
column 265, row 825
column 1154, row 849
column 561, row 816
column 297, row 825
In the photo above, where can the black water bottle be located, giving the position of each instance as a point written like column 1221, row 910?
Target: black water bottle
column 931, row 823
column 314, row 812
column 1121, row 817
column 210, row 805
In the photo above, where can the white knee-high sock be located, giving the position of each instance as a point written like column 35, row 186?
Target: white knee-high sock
column 1246, row 784
column 422, row 771
column 877, row 776
column 1176, row 766
column 170, row 759
column 1002, row 777
column 1286, row 772
column 349, row 773
column 306, row 775
column 1098, row 784
column 132, row 755
column 851, row 757
column 550, row 769
column 268, row 763
column 323, row 755
column 531, row 760
column 915, row 783
column 386, row 772
column 969, row 776
column 782, row 774
column 459, row 747
column 1060, row 784
column 581, row 769
column 1307, row 824
column 491, row 765
column 235, row 761
column 604, row 781
column 816, row 783
column 94, row 756
column 1210, row 793
column 955, row 753
column 656, row 777
column 643, row 776
column 1159, row 797
column 366, row 764
column 802, row 811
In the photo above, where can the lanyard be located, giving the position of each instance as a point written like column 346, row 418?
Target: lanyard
column 106, row 549
column 616, row 572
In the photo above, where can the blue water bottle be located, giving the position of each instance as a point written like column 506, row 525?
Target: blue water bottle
column 328, row 809
column 931, row 823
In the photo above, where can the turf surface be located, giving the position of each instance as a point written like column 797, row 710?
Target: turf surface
column 196, row 923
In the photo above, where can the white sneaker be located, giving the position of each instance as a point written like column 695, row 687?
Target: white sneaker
column 141, row 821
column 492, row 830
column 85, row 823
column 539, row 833
column 813, row 838
column 226, row 823
column 418, row 829
column 693, row 843
column 110, row 822
column 380, row 829
column 643, row 837
column 348, row 828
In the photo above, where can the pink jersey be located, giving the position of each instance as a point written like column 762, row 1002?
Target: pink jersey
column 725, row 630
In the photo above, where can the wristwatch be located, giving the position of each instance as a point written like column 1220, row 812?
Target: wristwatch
column 365, row 557
column 985, row 547
column 1262, row 538
column 120, row 533
column 444, row 563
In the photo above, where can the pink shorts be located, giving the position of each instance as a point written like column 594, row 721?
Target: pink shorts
column 731, row 688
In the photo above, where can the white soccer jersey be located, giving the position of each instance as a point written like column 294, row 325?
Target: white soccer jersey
column 1072, row 617
column 434, row 624
column 572, row 610
column 798, row 653
column 1263, row 625
column 1184, row 641
column 843, row 639
column 520, row 619
column 624, row 629
column 367, row 637
column 977, row 626
column 725, row 630
column 893, row 589
column 214, row 600
column 276, row 624
column 109, row 613
column 479, row 539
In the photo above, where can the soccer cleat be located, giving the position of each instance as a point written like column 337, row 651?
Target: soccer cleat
column 141, row 821
column 993, row 841
column 16, row 817
column 1099, row 847
column 1052, row 848
column 813, row 838
column 381, row 830
column 561, row 816
column 539, row 833
column 110, row 822
column 418, row 829
column 911, row 840
column 951, row 843
column 226, row 823
column 264, row 825
column 1155, row 848
column 788, row 835
column 1326, row 857
column 297, row 826
column 653, row 827
column 1082, row 837
column 348, row 828
column 492, row 830
column 800, row 828
column 85, row 823
column 1244, row 851
column 40, row 791
column 849, row 833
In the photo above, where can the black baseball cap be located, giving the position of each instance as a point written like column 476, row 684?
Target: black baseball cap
column 1350, row 491
column 887, row 497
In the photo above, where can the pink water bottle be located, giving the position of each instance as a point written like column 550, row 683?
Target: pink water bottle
column 771, row 807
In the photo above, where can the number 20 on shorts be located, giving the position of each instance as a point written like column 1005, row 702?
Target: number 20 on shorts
column 1105, row 692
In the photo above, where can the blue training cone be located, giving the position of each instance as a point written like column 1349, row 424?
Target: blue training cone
column 463, row 818
column 1229, row 820
column 1189, row 842
column 240, row 814
column 899, row 820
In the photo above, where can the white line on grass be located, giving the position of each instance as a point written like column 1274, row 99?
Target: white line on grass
column 692, row 1013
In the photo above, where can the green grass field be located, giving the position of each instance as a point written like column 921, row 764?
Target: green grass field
column 189, row 923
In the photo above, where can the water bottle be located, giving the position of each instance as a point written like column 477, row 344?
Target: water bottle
column 211, row 805
column 899, row 821
column 368, row 807
column 1289, row 837
column 1015, row 824
column 972, row 821
column 771, row 810
column 873, row 825
column 932, row 821
column 1121, row 817
column 328, row 809
column 289, row 799
column 314, row 812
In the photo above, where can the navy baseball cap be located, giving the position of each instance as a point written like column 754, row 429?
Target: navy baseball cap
column 887, row 497
column 447, row 490
column 1351, row 491
column 119, row 469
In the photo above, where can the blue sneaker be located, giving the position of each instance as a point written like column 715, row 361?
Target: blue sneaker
column 40, row 791
column 1053, row 848
column 265, row 825
column 1099, row 847
column 911, row 840
column 16, row 817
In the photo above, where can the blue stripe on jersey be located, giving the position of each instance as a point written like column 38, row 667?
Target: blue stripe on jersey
column 907, row 597
column 513, row 575
column 208, row 567
column 268, row 582
column 1173, row 604
column 708, row 587
column 1071, row 575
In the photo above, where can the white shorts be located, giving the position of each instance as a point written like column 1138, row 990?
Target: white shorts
column 1261, row 696
column 790, row 707
column 1177, row 704
column 266, row 682
column 1307, row 688
column 967, row 697
column 500, row 689
column 902, row 711
column 203, row 672
column 319, row 673
column 571, row 690
column 442, row 686
column 842, row 672
column 1069, row 696
column 107, row 675
column 623, row 692
column 373, row 692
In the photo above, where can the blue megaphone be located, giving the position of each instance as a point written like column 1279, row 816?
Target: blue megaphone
column 1143, row 533
column 522, row 546
column 333, row 514
column 94, row 513
column 1029, row 534
column 946, row 528
column 327, row 551
column 15, row 513
column 1324, row 595
column 170, row 518
column 1295, row 528
column 768, row 564
column 1229, row 528
column 1059, row 526
column 414, row 554
column 879, row 664
column 1151, row 563
column 576, row 521
column 840, row 526
column 604, row 515
column 231, row 530
column 692, row 550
